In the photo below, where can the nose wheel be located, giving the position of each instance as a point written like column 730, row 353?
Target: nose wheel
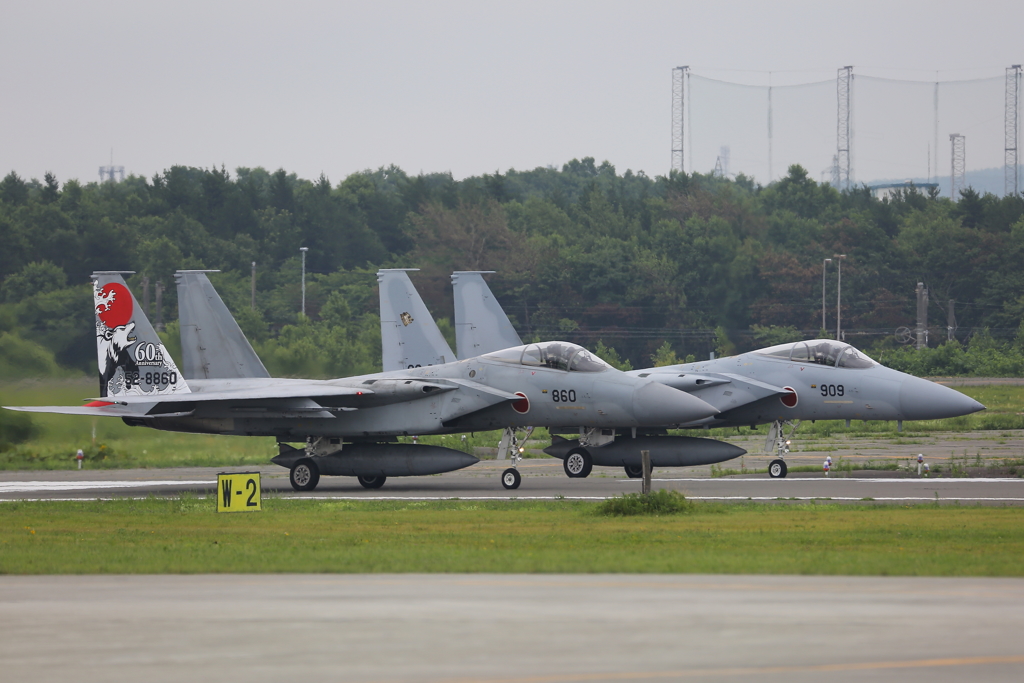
column 780, row 442
column 511, row 478
column 512, row 446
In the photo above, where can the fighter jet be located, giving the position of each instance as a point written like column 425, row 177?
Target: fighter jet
column 481, row 324
column 350, row 425
column 821, row 379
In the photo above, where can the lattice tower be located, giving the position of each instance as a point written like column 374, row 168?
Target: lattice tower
column 844, row 126
column 1011, row 165
column 957, row 172
column 679, row 117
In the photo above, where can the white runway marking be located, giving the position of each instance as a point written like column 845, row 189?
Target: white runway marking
column 935, row 480
column 31, row 486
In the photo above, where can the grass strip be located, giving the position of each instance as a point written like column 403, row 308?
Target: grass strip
column 185, row 535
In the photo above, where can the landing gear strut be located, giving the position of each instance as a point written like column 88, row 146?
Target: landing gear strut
column 779, row 442
column 510, row 446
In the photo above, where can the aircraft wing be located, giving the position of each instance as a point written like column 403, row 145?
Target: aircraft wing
column 762, row 388
column 301, row 399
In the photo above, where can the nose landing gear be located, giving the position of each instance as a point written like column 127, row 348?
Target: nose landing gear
column 512, row 447
column 779, row 442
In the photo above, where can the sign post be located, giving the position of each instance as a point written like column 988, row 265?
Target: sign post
column 238, row 492
column 645, row 463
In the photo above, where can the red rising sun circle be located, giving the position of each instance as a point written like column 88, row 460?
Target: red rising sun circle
column 114, row 305
column 522, row 405
column 789, row 399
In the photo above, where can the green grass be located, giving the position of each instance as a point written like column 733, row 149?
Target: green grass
column 186, row 536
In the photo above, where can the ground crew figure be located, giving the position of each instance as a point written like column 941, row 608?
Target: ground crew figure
column 80, row 456
column 920, row 461
column 826, row 466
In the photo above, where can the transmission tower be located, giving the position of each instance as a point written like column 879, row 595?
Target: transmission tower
column 108, row 172
column 957, row 172
column 844, row 127
column 1012, row 126
column 679, row 75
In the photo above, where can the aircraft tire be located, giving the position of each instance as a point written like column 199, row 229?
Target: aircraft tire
column 372, row 482
column 777, row 469
column 578, row 463
column 511, row 478
column 304, row 475
column 634, row 471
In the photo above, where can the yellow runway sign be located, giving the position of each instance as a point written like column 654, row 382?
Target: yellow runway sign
column 238, row 492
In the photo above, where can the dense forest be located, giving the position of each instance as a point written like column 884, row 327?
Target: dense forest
column 637, row 267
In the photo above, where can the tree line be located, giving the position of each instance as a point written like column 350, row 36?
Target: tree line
column 643, row 269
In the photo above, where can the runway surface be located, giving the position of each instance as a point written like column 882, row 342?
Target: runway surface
column 509, row 628
column 542, row 479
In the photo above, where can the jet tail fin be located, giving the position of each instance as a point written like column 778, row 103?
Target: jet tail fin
column 213, row 346
column 132, row 359
column 481, row 325
column 409, row 336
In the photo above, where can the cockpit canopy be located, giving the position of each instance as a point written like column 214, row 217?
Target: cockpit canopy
column 557, row 355
column 820, row 352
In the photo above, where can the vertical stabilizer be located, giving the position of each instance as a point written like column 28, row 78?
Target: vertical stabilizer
column 132, row 359
column 409, row 336
column 481, row 326
column 212, row 344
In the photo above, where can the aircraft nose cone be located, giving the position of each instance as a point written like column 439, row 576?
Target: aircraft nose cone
column 657, row 405
column 924, row 400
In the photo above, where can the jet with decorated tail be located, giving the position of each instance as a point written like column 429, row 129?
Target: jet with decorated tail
column 349, row 426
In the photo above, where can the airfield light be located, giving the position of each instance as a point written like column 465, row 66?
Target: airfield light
column 839, row 296
column 824, row 267
column 303, row 250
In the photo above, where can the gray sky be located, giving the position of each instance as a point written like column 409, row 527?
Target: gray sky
column 466, row 87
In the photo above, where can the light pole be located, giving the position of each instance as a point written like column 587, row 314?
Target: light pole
column 839, row 296
column 824, row 267
column 303, row 250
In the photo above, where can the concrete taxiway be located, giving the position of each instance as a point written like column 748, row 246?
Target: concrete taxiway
column 541, row 479
column 510, row 628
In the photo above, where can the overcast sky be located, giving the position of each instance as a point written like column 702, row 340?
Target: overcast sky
column 465, row 87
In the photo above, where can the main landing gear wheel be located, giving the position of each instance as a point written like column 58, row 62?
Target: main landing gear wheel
column 305, row 475
column 372, row 482
column 777, row 469
column 634, row 471
column 510, row 478
column 578, row 463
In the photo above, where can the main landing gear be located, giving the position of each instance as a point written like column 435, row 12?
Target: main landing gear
column 512, row 446
column 578, row 463
column 779, row 442
column 634, row 471
column 305, row 475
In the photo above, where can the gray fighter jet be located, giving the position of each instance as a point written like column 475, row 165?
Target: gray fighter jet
column 782, row 385
column 481, row 324
column 350, row 425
